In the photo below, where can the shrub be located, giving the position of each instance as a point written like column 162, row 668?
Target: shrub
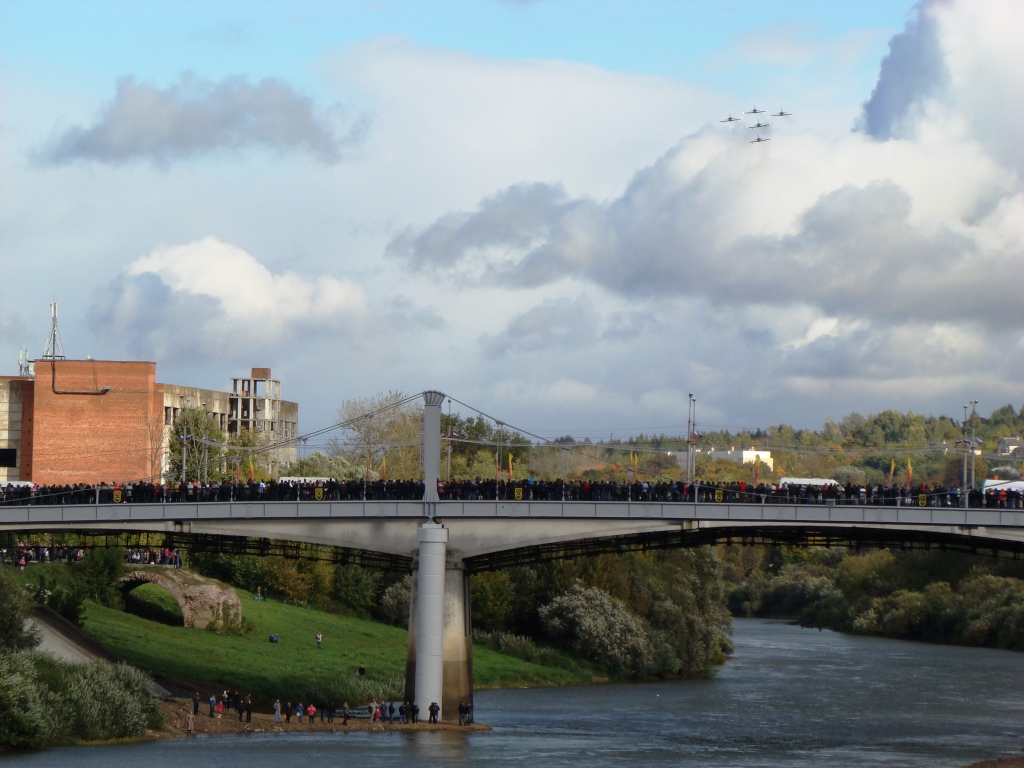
column 45, row 701
column 394, row 603
column 15, row 607
column 593, row 623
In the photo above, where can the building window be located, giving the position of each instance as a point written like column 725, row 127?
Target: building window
column 8, row 457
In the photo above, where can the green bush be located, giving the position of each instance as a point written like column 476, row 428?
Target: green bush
column 591, row 622
column 15, row 607
column 46, row 701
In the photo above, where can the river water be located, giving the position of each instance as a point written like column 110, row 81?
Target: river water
column 788, row 697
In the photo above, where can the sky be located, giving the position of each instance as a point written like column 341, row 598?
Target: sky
column 532, row 206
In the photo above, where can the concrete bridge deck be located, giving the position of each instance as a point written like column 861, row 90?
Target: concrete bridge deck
column 482, row 527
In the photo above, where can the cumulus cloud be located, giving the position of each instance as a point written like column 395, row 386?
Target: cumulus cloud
column 830, row 263
column 208, row 298
column 196, row 116
column 952, row 75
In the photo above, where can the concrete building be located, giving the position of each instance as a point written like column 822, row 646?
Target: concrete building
column 92, row 421
column 740, row 457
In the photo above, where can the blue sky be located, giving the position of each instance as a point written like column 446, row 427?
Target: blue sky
column 530, row 205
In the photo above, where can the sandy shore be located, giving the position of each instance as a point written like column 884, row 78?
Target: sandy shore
column 176, row 712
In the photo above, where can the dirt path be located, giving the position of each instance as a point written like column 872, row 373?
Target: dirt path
column 176, row 711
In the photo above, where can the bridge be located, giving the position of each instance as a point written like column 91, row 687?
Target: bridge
column 443, row 542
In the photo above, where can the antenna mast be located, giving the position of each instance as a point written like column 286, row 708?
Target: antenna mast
column 54, row 349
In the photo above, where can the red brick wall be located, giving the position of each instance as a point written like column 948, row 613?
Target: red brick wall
column 79, row 433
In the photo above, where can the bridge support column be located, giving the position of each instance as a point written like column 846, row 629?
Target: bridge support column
column 454, row 665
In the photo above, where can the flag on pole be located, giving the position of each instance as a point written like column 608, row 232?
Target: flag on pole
column 757, row 467
column 383, row 467
column 910, row 471
column 892, row 471
column 252, row 471
column 510, row 467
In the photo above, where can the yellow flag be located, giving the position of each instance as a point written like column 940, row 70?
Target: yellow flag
column 383, row 467
column 510, row 466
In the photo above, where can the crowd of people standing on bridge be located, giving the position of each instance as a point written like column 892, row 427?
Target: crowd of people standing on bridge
column 513, row 490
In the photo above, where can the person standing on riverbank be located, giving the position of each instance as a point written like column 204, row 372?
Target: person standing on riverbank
column 277, row 710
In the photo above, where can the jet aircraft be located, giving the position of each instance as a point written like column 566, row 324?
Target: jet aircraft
column 754, row 111
column 759, row 124
column 758, row 140
column 730, row 119
column 782, row 113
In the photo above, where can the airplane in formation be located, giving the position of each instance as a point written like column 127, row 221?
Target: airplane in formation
column 782, row 113
column 754, row 111
column 758, row 140
column 759, row 124
column 730, row 119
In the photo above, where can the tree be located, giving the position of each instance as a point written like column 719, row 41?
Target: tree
column 103, row 568
column 15, row 608
column 202, row 460
column 379, row 428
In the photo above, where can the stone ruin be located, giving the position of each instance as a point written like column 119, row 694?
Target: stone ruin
column 205, row 603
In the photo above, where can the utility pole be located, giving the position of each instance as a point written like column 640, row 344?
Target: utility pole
column 497, row 475
column 184, row 437
column 967, row 447
column 974, row 424
column 449, row 440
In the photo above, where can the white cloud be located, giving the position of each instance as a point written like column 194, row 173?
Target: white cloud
column 195, row 116
column 212, row 298
column 874, row 262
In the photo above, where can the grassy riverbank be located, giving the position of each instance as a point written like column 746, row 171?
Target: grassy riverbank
column 293, row 668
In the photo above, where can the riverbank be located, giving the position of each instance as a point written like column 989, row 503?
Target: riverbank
column 176, row 711
column 1000, row 762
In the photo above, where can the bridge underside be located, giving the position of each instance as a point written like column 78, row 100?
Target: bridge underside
column 766, row 535
column 246, row 540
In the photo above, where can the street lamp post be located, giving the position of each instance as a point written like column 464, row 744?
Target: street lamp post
column 497, row 474
column 449, row 439
column 184, row 435
column 967, row 447
column 974, row 423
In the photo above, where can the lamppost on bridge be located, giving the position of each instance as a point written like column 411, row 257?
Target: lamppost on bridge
column 497, row 468
column 449, row 440
column 967, row 447
column 691, row 430
column 186, row 400
column 974, row 456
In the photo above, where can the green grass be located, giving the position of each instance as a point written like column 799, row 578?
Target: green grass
column 149, row 601
column 292, row 668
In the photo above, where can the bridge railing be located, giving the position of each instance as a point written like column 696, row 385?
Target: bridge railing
column 473, row 491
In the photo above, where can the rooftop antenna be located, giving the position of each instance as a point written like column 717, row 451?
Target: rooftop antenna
column 24, row 364
column 54, row 349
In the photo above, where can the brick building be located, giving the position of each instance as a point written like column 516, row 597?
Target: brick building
column 92, row 421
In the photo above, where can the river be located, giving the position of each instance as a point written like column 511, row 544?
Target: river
column 788, row 697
